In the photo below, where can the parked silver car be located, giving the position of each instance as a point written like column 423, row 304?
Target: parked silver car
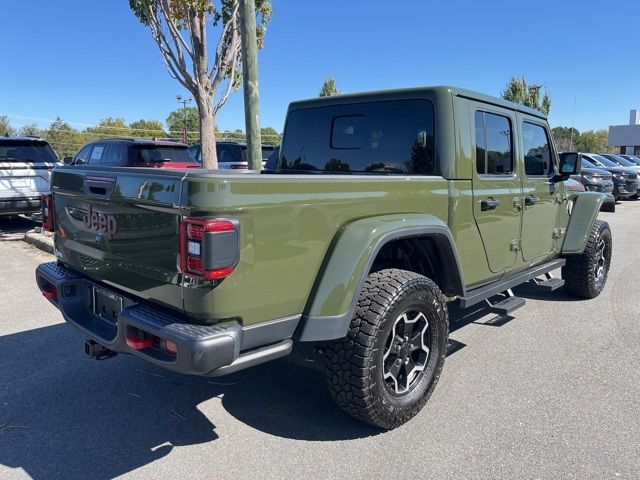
column 25, row 172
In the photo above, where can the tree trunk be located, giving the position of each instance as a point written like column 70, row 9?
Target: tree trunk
column 208, row 153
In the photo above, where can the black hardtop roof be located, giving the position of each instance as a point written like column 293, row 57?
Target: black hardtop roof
column 407, row 92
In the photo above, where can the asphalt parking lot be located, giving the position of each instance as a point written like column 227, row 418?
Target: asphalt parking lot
column 553, row 392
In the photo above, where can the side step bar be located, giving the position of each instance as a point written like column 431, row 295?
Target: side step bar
column 551, row 284
column 479, row 294
column 508, row 305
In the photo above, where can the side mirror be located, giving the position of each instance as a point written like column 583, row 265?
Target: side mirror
column 68, row 160
column 569, row 165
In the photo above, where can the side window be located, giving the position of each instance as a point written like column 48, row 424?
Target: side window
column 83, row 156
column 96, row 154
column 494, row 151
column 115, row 154
column 537, row 154
column 195, row 152
column 385, row 137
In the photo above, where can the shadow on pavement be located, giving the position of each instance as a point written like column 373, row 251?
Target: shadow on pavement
column 63, row 415
column 14, row 228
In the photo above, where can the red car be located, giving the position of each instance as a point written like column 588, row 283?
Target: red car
column 128, row 152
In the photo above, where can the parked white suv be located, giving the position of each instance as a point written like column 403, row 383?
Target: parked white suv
column 232, row 155
column 25, row 172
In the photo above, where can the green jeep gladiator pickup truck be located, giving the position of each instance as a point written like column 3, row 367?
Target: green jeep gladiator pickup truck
column 384, row 207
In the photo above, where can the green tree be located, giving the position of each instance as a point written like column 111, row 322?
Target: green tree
column 180, row 30
column 566, row 138
column 529, row 95
column 594, row 141
column 270, row 136
column 147, row 129
column 175, row 120
column 329, row 87
column 110, row 127
column 31, row 130
column 5, row 126
column 64, row 139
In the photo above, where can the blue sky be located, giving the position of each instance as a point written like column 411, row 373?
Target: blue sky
column 85, row 60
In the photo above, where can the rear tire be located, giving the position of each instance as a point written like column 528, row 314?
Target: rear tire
column 585, row 275
column 385, row 369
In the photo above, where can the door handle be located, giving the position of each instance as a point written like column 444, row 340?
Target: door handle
column 489, row 204
column 531, row 200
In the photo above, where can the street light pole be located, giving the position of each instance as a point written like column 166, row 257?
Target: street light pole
column 184, row 103
column 250, row 82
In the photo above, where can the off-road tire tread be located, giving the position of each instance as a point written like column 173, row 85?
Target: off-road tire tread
column 350, row 361
column 577, row 272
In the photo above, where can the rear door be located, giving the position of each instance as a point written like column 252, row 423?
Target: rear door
column 539, row 191
column 496, row 185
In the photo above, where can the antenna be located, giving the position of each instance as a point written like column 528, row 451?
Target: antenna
column 573, row 119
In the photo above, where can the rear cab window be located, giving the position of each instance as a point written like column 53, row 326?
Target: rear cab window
column 385, row 137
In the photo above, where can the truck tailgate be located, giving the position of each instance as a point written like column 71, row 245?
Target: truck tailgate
column 121, row 227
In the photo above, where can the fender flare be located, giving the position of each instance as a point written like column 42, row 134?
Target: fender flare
column 334, row 297
column 586, row 207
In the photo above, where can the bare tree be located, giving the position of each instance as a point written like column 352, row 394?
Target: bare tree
column 179, row 28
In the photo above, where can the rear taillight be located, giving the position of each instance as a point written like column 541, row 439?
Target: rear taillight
column 47, row 212
column 209, row 249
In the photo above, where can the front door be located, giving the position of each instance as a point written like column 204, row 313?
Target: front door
column 496, row 186
column 538, row 193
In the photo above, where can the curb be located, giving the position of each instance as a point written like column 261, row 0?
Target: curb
column 40, row 241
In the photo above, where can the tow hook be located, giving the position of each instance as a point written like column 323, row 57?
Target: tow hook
column 97, row 350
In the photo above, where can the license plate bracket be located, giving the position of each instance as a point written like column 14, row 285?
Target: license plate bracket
column 21, row 183
column 107, row 305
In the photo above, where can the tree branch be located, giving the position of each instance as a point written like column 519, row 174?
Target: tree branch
column 230, row 85
column 231, row 24
column 177, row 67
column 177, row 38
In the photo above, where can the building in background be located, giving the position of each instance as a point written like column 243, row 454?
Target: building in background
column 627, row 137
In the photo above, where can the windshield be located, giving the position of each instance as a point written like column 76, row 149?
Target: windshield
column 26, row 151
column 621, row 161
column 587, row 164
column 155, row 153
column 602, row 161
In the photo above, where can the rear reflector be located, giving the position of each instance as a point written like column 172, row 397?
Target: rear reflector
column 171, row 347
column 139, row 343
column 50, row 292
column 218, row 273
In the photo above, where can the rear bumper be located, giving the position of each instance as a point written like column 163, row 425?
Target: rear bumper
column 13, row 206
column 201, row 350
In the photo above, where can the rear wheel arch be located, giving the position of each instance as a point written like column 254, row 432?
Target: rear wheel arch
column 433, row 255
